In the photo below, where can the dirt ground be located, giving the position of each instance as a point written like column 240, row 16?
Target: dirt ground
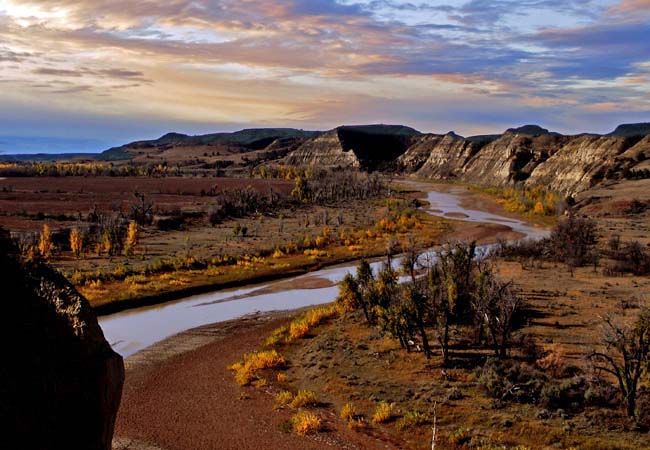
column 179, row 395
column 348, row 361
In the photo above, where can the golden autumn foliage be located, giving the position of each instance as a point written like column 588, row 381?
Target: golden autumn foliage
column 45, row 244
column 247, row 370
column 132, row 237
column 304, row 422
column 76, row 241
column 534, row 200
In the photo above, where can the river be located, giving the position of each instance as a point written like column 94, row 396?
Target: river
column 133, row 330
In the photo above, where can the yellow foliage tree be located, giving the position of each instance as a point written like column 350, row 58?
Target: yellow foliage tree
column 539, row 209
column 106, row 244
column 76, row 241
column 132, row 236
column 45, row 245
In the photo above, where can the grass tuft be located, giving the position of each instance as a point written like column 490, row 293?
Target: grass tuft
column 305, row 398
column 246, row 370
column 304, row 422
column 383, row 413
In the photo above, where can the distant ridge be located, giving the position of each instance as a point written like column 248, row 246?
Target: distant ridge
column 533, row 130
column 251, row 139
column 632, row 130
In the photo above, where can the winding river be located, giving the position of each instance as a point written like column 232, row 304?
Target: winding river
column 133, row 330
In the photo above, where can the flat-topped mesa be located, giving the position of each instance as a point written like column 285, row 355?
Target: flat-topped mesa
column 60, row 383
column 365, row 146
column 632, row 130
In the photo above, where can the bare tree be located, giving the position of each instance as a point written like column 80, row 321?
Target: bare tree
column 626, row 355
column 142, row 210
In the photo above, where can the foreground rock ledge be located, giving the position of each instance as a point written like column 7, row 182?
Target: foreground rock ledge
column 60, row 381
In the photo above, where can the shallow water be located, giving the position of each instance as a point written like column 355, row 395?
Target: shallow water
column 133, row 330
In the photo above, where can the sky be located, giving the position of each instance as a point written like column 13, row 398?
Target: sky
column 87, row 75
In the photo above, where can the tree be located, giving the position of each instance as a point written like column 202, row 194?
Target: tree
column 132, row 237
column 76, row 241
column 496, row 306
column 45, row 244
column 142, row 210
column 627, row 355
column 573, row 240
column 450, row 287
column 301, row 190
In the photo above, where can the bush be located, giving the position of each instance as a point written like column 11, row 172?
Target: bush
column 413, row 419
column 283, row 398
column 573, row 241
column 383, row 413
column 566, row 394
column 348, row 412
column 304, row 422
column 511, row 380
column 247, row 370
column 631, row 258
column 458, row 438
column 305, row 398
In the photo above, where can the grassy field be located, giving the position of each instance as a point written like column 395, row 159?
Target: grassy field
column 165, row 264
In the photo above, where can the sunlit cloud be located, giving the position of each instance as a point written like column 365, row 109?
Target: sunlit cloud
column 472, row 65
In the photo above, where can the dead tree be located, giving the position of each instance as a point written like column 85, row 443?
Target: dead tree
column 626, row 355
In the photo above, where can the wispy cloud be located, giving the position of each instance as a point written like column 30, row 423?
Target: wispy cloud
column 322, row 62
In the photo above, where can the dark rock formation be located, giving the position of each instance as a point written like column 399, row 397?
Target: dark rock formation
column 60, row 381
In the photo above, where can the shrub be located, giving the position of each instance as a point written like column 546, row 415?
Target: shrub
column 413, row 419
column 277, row 336
column 298, row 329
column 458, row 438
column 383, row 413
column 301, row 327
column 349, row 412
column 283, row 398
column 246, row 370
column 566, row 394
column 304, row 398
column 304, row 422
column 573, row 240
column 511, row 380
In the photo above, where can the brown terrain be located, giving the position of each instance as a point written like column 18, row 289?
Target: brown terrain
column 198, row 405
column 179, row 393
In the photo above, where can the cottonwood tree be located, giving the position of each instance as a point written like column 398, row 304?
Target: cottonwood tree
column 573, row 240
column 45, row 244
column 626, row 355
column 496, row 307
column 76, row 241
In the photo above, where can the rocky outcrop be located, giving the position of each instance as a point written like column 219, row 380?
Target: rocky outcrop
column 364, row 146
column 579, row 164
column 60, row 381
column 325, row 150
column 532, row 156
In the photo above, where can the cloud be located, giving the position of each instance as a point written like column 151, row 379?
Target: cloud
column 312, row 62
column 631, row 6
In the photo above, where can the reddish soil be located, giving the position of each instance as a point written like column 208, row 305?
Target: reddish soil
column 179, row 399
column 72, row 196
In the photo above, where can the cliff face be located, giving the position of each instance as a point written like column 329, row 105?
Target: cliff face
column 326, row 150
column 527, row 155
column 60, row 381
column 365, row 147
